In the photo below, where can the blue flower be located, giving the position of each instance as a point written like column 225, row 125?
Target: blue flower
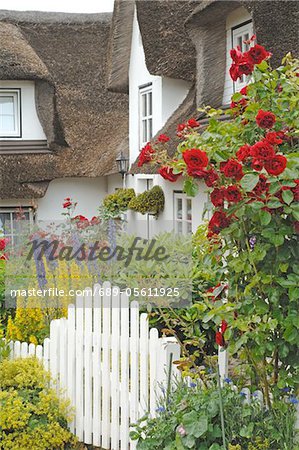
column 227, row 380
column 293, row 400
column 242, row 394
column 161, row 409
column 254, row 394
column 286, row 389
column 192, row 384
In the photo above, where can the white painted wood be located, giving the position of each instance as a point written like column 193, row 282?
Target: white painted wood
column 63, row 351
column 106, row 381
column 39, row 352
column 24, row 350
column 79, row 366
column 124, row 395
column 46, row 354
column 17, row 349
column 71, row 360
column 153, row 350
column 115, row 382
column 88, row 367
column 54, row 352
column 31, row 349
column 96, row 366
column 134, row 366
column 223, row 363
column 144, row 363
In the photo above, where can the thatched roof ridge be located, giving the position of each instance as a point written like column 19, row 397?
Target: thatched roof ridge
column 84, row 123
column 185, row 111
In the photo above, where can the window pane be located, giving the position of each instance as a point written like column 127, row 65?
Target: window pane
column 7, row 123
column 180, row 227
column 144, row 104
column 5, row 223
column 6, row 105
column 189, row 227
column 144, row 131
column 150, row 103
column 150, row 129
column 179, row 211
column 189, row 209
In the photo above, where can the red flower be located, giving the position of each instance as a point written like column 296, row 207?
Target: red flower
column 217, row 197
column 211, row 177
column 192, row 123
column 274, row 138
column 245, row 68
column 233, row 194
column 95, row 221
column 241, row 104
column 224, row 326
column 262, row 150
column 257, row 164
column 66, row 204
column 262, row 185
column 232, row 169
column 236, row 54
column 197, row 173
column 82, row 221
column 3, row 243
column 218, row 222
column 243, row 152
column 220, row 339
column 244, row 90
column 163, row 138
column 234, row 72
column 195, row 159
column 146, row 154
column 181, row 127
column 265, row 119
column 276, row 165
column 257, row 54
column 167, row 174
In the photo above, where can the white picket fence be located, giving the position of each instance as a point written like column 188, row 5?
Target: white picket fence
column 108, row 363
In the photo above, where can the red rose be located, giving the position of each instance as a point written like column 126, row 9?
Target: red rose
column 265, row 119
column 192, row 123
column 243, row 152
column 82, row 221
column 3, row 243
column 262, row 150
column 211, row 177
column 244, row 90
column 217, row 197
column 195, row 158
column 95, row 221
column 236, row 54
column 67, row 204
column 257, row 54
column 146, row 154
column 241, row 104
column 276, row 165
column 234, row 72
column 218, row 221
column 163, row 138
column 257, row 164
column 233, row 194
column 262, row 185
column 274, row 138
column 181, row 127
column 220, row 339
column 232, row 169
column 245, row 68
column 167, row 174
column 197, row 173
column 224, row 326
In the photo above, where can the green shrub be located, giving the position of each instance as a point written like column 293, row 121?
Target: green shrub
column 190, row 419
column 151, row 201
column 31, row 414
column 118, row 202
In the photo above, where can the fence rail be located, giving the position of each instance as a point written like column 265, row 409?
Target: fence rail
column 107, row 362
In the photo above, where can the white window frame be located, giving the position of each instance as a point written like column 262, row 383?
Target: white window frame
column 16, row 94
column 145, row 118
column 239, row 33
column 12, row 211
column 186, row 224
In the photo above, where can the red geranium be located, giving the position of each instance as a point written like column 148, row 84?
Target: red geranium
column 218, row 222
column 192, row 123
column 233, row 194
column 257, row 54
column 167, row 174
column 195, row 159
column 265, row 119
column 146, row 154
column 211, row 177
column 163, row 138
column 243, row 152
column 232, row 169
column 276, row 165
column 217, row 197
column 262, row 150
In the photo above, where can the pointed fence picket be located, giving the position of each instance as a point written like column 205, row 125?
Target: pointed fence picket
column 107, row 362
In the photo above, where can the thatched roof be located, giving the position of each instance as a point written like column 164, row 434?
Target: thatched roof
column 169, row 51
column 185, row 111
column 85, row 124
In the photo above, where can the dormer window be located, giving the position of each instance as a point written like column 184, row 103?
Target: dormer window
column 10, row 113
column 145, row 114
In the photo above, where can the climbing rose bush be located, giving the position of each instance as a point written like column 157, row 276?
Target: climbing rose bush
column 249, row 165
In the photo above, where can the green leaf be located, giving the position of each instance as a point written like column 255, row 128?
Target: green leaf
column 287, row 196
column 274, row 204
column 249, row 181
column 190, row 188
column 265, row 217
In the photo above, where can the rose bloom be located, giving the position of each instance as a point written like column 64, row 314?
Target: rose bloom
column 3, row 243
column 276, row 165
column 257, row 54
column 67, row 204
column 241, row 104
column 274, row 138
column 217, row 197
column 192, row 123
column 262, row 185
column 220, row 339
column 232, row 169
column 265, row 119
column 233, row 194
column 236, row 54
column 234, row 72
column 262, row 150
column 195, row 158
column 146, row 154
column 197, row 173
column 245, row 67
column 211, row 177
column 163, row 138
column 244, row 90
column 218, row 221
column 181, row 127
column 243, row 152
column 82, row 221
column 167, row 174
